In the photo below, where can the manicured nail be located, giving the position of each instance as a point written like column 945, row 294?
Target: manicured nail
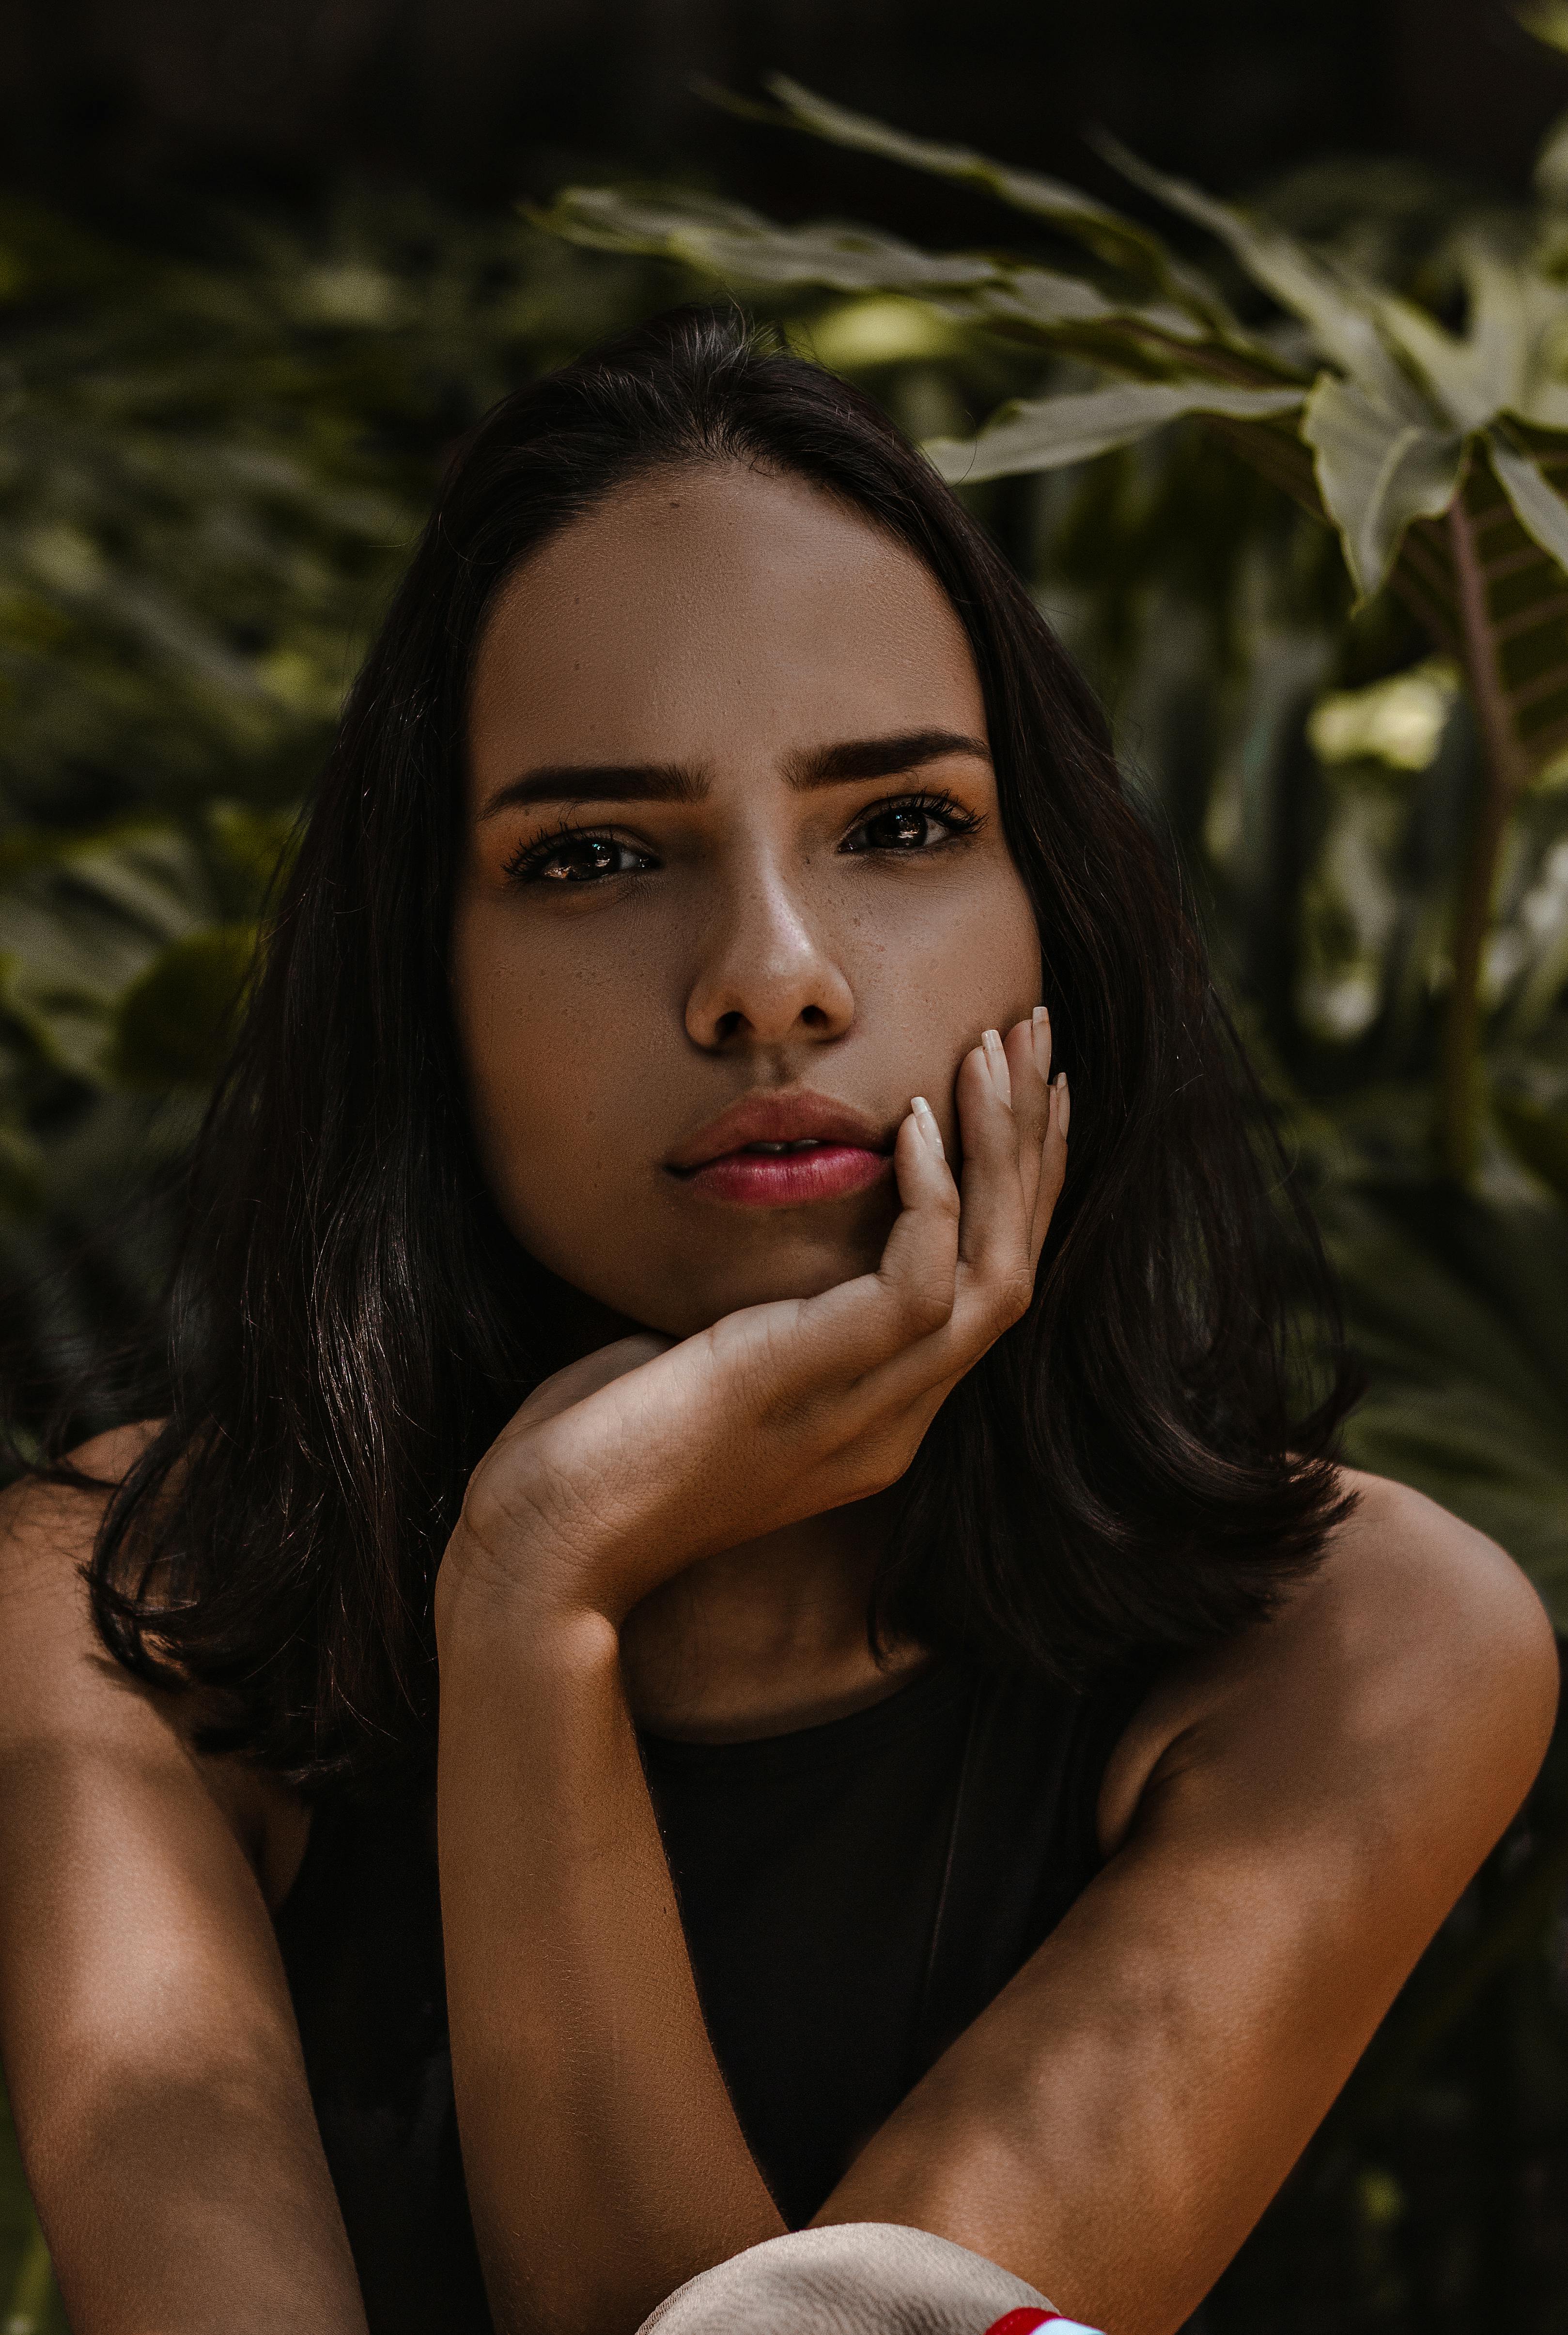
column 1040, row 1034
column 925, row 1120
column 996, row 1063
column 1064, row 1109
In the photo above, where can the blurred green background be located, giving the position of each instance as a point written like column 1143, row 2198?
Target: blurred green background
column 259, row 269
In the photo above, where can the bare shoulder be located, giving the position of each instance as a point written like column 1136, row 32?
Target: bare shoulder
column 1416, row 1649
column 63, row 1695
column 49, row 1653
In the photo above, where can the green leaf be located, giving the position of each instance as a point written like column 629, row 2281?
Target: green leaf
column 1046, row 433
column 739, row 245
column 1552, row 167
column 1377, row 471
column 728, row 240
column 1337, row 308
column 1537, row 1133
column 1459, row 1309
column 1042, row 297
column 1521, row 583
column 1485, row 372
column 30, row 2313
column 1546, row 19
column 173, row 1024
column 1543, row 514
column 1119, row 241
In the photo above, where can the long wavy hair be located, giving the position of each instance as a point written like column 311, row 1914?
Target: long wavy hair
column 1136, row 1468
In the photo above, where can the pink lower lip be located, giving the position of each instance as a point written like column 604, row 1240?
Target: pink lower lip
column 785, row 1179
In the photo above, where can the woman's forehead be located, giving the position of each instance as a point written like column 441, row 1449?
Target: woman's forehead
column 699, row 599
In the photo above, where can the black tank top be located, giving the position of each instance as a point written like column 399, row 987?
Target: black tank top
column 853, row 1895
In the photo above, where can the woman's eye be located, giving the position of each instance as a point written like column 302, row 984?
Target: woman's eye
column 579, row 859
column 909, row 826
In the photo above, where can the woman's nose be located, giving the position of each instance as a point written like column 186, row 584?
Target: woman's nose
column 766, row 972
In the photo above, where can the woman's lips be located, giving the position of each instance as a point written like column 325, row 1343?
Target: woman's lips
column 787, row 1179
column 779, row 1147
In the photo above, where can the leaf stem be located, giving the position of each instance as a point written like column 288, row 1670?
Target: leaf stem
column 1503, row 775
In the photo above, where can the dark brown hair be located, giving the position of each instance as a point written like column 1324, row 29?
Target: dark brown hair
column 1134, row 1469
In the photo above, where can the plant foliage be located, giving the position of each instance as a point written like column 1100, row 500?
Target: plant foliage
column 1347, row 699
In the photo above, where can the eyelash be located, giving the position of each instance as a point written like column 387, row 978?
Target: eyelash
column 527, row 863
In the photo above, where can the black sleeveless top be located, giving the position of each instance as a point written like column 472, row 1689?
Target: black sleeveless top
column 853, row 1895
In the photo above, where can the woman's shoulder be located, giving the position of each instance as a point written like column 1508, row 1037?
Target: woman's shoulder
column 63, row 1698
column 48, row 1526
column 1414, row 1627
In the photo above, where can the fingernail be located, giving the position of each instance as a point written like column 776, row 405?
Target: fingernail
column 1040, row 1034
column 1064, row 1109
column 996, row 1063
column 925, row 1120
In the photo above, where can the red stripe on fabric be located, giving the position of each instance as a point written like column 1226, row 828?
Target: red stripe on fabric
column 1021, row 2322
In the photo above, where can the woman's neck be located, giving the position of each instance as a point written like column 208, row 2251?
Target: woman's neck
column 765, row 1638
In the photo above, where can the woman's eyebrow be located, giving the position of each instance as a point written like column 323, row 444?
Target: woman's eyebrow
column 880, row 758
column 582, row 782
column 820, row 766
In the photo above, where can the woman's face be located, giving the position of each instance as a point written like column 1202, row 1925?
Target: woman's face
column 734, row 876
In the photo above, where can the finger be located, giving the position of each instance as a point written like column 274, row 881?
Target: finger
column 919, row 1267
column 1052, row 1167
column 841, row 1340
column 993, row 1229
column 1028, row 1050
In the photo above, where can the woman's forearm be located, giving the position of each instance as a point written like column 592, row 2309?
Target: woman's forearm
column 603, row 2161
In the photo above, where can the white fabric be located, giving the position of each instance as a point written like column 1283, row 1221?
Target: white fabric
column 852, row 2278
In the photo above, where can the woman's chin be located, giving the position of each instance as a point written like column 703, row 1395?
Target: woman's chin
column 695, row 1300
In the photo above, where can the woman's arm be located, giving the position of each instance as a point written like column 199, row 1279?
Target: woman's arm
column 149, row 2046
column 603, row 2162
column 1294, row 1818
column 1291, row 1819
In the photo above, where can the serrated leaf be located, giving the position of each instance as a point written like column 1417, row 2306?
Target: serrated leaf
column 1047, row 433
column 1337, row 309
column 1112, row 238
column 1377, row 471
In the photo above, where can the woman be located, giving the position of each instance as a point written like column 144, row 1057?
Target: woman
column 927, row 1734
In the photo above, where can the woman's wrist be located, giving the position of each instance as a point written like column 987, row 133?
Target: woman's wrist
column 525, row 1608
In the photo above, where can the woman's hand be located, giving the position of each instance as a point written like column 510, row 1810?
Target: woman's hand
column 603, row 2162
column 630, row 1465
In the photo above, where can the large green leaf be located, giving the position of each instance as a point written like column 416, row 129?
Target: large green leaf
column 1539, row 509
column 1016, row 297
column 1338, row 309
column 730, row 241
column 1049, row 432
column 1120, row 242
column 1486, row 371
column 1519, row 584
column 1377, row 471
